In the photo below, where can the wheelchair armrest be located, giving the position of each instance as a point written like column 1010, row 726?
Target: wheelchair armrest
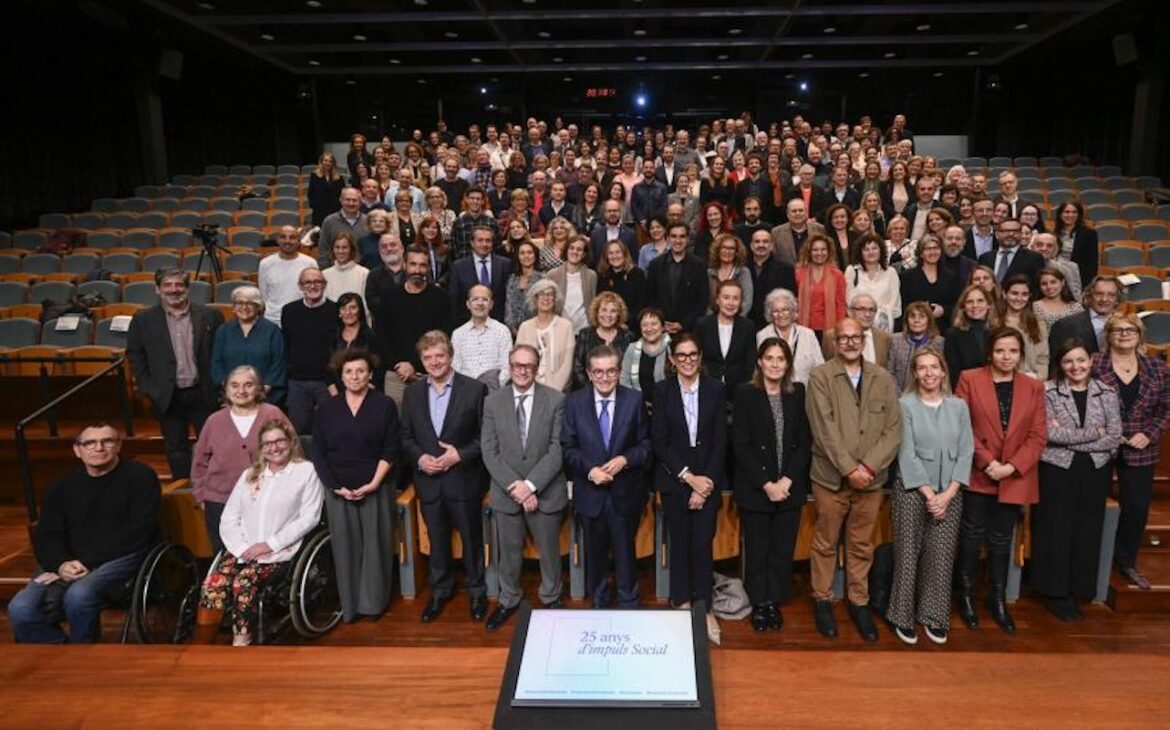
column 175, row 486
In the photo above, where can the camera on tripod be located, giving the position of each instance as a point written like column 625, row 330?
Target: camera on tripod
column 208, row 236
column 207, row 233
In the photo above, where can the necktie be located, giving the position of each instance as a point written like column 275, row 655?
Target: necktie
column 603, row 422
column 484, row 276
column 522, row 421
column 1005, row 260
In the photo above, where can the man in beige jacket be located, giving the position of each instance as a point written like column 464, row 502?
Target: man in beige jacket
column 856, row 427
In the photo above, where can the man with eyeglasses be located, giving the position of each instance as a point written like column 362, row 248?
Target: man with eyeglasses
column 1103, row 297
column 1010, row 258
column 96, row 524
column 876, row 347
column 521, row 444
column 169, row 348
column 482, row 343
column 606, row 442
column 309, row 327
column 856, row 426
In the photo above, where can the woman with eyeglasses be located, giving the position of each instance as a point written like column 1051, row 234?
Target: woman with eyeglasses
column 274, row 504
column 356, row 444
column 803, row 344
column 1143, row 388
column 689, row 438
column 227, row 444
column 250, row 339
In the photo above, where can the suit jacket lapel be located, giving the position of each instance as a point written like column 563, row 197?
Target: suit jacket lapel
column 452, row 405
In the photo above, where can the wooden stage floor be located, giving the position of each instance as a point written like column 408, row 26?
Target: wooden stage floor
column 332, row 687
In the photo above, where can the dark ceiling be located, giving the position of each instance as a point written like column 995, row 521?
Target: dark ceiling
column 423, row 39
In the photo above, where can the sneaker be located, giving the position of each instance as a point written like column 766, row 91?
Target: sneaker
column 906, row 636
column 936, row 634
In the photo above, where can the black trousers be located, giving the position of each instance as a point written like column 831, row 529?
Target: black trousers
column 986, row 518
column 1066, row 528
column 212, row 513
column 691, row 531
column 769, row 543
column 188, row 409
column 440, row 516
column 1135, row 486
column 611, row 530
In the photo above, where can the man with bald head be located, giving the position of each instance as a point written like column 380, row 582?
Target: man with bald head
column 815, row 199
column 278, row 273
column 787, row 238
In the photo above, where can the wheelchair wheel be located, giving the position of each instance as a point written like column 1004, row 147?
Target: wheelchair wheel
column 314, row 604
column 166, row 595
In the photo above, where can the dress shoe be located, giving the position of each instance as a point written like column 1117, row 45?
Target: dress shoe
column 760, row 618
column 966, row 605
column 823, row 614
column 997, row 606
column 1134, row 576
column 1074, row 610
column 559, row 603
column 775, row 618
column 499, row 616
column 1059, row 607
column 434, row 608
column 936, row 634
column 478, row 608
column 863, row 619
column 906, row 636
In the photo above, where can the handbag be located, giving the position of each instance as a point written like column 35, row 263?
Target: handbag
column 729, row 599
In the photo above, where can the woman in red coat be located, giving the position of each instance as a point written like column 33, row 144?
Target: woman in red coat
column 1008, row 421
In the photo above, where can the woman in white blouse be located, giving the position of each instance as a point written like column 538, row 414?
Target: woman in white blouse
column 276, row 502
column 806, row 351
column 346, row 274
column 870, row 273
column 551, row 335
column 577, row 282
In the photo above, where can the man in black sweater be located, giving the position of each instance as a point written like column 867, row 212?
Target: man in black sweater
column 309, row 326
column 404, row 315
column 95, row 526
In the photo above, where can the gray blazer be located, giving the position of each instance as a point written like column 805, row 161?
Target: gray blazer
column 539, row 462
column 898, row 359
column 937, row 447
column 783, row 243
column 1065, row 433
column 152, row 357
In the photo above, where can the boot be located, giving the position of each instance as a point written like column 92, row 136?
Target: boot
column 207, row 623
column 966, row 578
column 996, row 602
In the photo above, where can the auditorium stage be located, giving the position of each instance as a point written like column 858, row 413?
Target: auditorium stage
column 329, row 687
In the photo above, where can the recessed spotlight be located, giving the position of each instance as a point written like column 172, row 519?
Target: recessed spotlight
column 806, row 56
column 557, row 59
column 938, row 74
column 804, row 86
column 395, row 61
column 494, row 80
column 723, row 57
column 206, row 6
column 790, row 76
column 420, row 3
column 313, row 3
column 639, row 58
column 922, row 27
column 863, row 75
column 830, row 29
column 640, row 32
column 735, row 31
column 529, row 2
column 567, row 79
column 359, row 37
column 451, row 34
column 889, row 54
column 544, row 34
column 421, row 81
column 350, row 82
column 715, row 77
column 1022, row 26
column 476, row 59
column 314, row 62
column 267, row 37
column 973, row 53
column 483, row 89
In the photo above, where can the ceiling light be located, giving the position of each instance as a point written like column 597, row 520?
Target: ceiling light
column 350, row 82
column 716, row 77
column 938, row 74
column 639, row 32
column 922, row 27
column 395, row 61
column 207, row 6
column 806, row 56
column 494, row 80
column 890, row 54
column 544, row 34
column 723, row 57
column 735, row 31
column 359, row 37
column 314, row 62
column 421, row 81
column 529, row 2
column 420, row 3
column 973, row 53
column 451, row 34
column 313, row 3
column 567, row 79
column 863, row 75
column 476, row 59
column 790, row 76
column 830, row 29
column 1021, row 26
column 804, row 86
column 557, row 59
column 267, row 37
column 483, row 89
column 639, row 58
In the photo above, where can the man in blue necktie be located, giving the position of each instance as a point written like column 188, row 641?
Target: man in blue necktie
column 481, row 267
column 606, row 442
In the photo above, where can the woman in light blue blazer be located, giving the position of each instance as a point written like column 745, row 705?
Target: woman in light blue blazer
column 934, row 464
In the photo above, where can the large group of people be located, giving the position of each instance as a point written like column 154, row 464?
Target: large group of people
column 811, row 315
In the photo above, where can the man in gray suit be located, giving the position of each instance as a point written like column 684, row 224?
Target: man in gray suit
column 521, row 443
column 788, row 238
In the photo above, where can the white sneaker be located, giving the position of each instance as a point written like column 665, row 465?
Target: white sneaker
column 907, row 636
column 714, row 634
column 938, row 636
column 241, row 639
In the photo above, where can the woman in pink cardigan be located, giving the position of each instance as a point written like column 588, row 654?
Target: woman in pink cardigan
column 227, row 445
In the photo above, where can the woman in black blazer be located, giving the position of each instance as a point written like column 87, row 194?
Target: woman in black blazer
column 772, row 444
column 1078, row 242
column 965, row 345
column 734, row 364
column 690, row 470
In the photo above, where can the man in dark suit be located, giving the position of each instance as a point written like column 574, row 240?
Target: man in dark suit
column 953, row 259
column 613, row 229
column 169, row 349
column 756, row 185
column 481, row 267
column 556, row 205
column 815, row 199
column 606, row 442
column 521, row 444
column 648, row 196
column 1102, row 298
column 840, row 191
column 668, row 170
column 1011, row 258
column 751, row 221
column 981, row 236
column 677, row 283
column 768, row 273
column 441, row 419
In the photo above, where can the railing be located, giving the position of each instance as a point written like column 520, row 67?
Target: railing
column 116, row 368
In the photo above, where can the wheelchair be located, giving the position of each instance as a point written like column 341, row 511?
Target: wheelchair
column 302, row 592
column 160, row 607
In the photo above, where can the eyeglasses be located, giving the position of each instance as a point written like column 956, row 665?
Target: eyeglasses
column 523, row 366
column 274, row 443
column 610, row 373
column 843, row 339
column 91, row 444
column 245, row 304
column 313, row 282
column 1124, row 331
column 686, row 356
column 865, row 310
